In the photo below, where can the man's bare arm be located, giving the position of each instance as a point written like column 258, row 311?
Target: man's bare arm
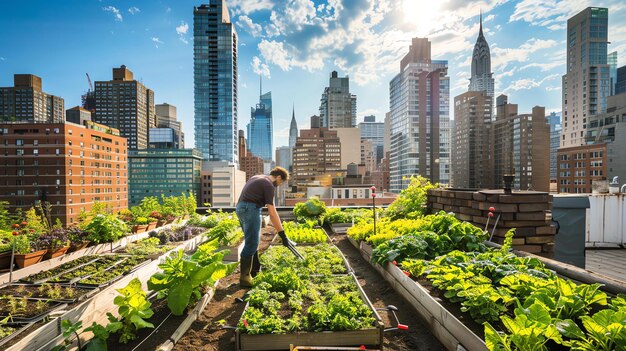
column 274, row 218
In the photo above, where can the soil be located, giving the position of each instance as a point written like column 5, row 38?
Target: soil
column 208, row 333
column 34, row 292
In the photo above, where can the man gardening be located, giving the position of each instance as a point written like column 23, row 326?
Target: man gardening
column 256, row 194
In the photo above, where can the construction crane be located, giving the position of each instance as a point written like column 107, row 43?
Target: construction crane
column 89, row 80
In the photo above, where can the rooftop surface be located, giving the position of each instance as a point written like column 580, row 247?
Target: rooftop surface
column 610, row 263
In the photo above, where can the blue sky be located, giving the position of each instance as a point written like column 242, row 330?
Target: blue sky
column 294, row 45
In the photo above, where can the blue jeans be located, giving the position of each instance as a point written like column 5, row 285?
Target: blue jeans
column 250, row 219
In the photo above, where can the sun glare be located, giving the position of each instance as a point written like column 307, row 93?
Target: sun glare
column 422, row 14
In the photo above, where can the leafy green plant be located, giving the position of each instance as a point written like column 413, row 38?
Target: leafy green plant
column 411, row 203
column 133, row 309
column 606, row 330
column 22, row 244
column 4, row 329
column 182, row 277
column 71, row 332
column 304, row 235
column 106, row 228
column 313, row 208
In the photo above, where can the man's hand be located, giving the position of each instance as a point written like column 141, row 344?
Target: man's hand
column 289, row 244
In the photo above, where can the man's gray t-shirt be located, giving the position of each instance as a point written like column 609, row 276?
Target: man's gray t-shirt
column 258, row 190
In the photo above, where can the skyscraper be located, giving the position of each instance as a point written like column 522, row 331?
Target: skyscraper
column 293, row 129
column 482, row 77
column 586, row 84
column 375, row 133
column 126, row 104
column 215, row 82
column 419, row 118
column 260, row 128
column 472, row 161
column 338, row 106
column 26, row 102
column 555, row 137
column 169, row 131
column 620, row 84
column 611, row 60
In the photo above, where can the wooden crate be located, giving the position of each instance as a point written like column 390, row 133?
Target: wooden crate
column 369, row 337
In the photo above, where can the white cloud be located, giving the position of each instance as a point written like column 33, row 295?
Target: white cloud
column 529, row 83
column 115, row 11
column 503, row 57
column 182, row 30
column 156, row 42
column 2, row 58
column 133, row 10
column 246, row 23
column 249, row 6
column 259, row 67
column 168, row 10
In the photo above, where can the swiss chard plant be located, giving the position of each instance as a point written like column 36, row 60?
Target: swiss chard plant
column 183, row 277
column 134, row 309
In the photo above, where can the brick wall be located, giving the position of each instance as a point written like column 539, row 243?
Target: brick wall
column 530, row 212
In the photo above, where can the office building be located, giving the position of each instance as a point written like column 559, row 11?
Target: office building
column 283, row 157
column 521, row 145
column 170, row 172
column 260, row 128
column 317, row 152
column 77, row 115
column 620, row 84
column 580, row 166
column 555, row 138
column 375, row 133
column 221, row 186
column 249, row 163
column 350, row 139
column 338, row 105
column 167, row 118
column 215, row 82
column 71, row 166
column 586, row 84
column 419, row 118
column 126, row 104
column 611, row 60
column 472, row 162
column 25, row 101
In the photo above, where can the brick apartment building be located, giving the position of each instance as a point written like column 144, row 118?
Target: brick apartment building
column 579, row 166
column 69, row 165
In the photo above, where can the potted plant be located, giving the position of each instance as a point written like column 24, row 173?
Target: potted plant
column 156, row 215
column 78, row 238
column 106, row 228
column 56, row 242
column 26, row 251
column 126, row 215
column 6, row 239
column 140, row 225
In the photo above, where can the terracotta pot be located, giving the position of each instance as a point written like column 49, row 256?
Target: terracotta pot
column 151, row 225
column 25, row 260
column 56, row 253
column 5, row 260
column 78, row 246
column 139, row 228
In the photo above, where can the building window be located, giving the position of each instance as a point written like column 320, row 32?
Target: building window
column 19, row 152
column 19, row 142
column 36, row 152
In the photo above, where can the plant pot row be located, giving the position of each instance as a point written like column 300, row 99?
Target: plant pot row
column 140, row 228
column 25, row 260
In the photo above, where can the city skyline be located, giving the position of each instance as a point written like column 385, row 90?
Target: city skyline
column 157, row 43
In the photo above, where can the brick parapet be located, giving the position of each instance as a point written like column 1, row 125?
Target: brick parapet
column 530, row 212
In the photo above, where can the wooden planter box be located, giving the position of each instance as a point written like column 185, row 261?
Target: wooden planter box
column 94, row 309
column 25, row 260
column 151, row 225
column 56, row 253
column 451, row 332
column 5, row 260
column 369, row 337
column 78, row 246
column 139, row 228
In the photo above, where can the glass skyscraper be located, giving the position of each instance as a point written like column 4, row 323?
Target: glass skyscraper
column 419, row 115
column 260, row 128
column 215, row 82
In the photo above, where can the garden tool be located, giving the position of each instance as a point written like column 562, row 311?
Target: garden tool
column 289, row 244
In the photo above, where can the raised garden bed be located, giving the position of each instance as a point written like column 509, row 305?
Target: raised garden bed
column 47, row 274
column 21, row 310
column 55, row 292
column 77, row 273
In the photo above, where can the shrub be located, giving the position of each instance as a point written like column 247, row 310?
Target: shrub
column 106, row 228
column 313, row 208
column 411, row 203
